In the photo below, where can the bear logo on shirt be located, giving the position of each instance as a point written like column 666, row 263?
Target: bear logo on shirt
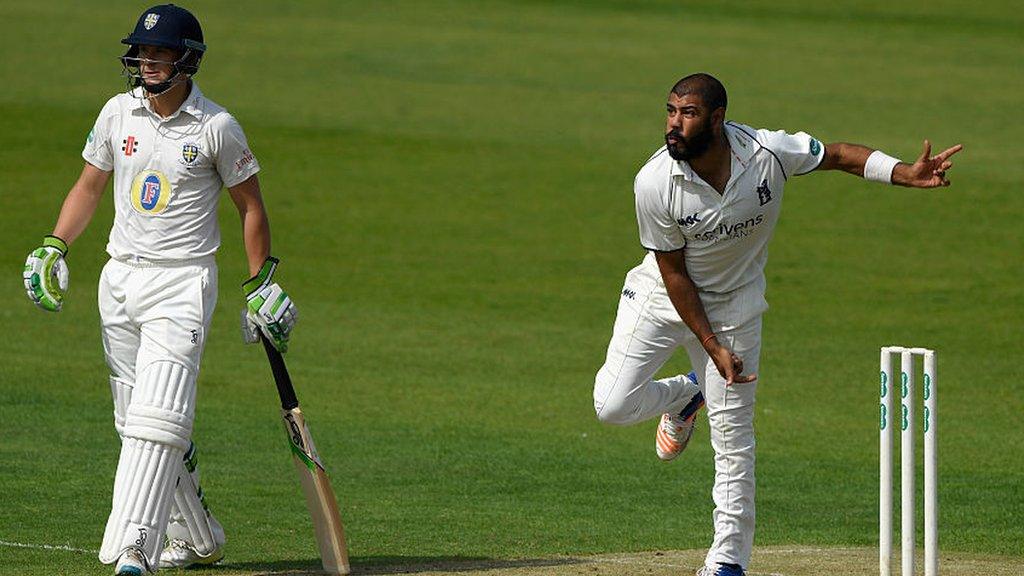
column 764, row 194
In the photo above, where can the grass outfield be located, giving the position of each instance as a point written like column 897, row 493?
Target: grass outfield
column 449, row 185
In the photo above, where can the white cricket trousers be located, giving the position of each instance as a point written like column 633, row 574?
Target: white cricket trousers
column 647, row 331
column 150, row 312
column 154, row 318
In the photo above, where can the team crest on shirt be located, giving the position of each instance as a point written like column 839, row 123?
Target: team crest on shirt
column 189, row 153
column 151, row 192
column 150, row 20
column 764, row 194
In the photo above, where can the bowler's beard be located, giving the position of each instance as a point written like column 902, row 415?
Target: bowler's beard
column 688, row 148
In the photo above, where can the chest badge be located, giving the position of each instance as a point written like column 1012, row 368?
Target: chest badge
column 764, row 194
column 151, row 192
column 189, row 153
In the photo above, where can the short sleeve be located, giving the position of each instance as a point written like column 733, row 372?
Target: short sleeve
column 799, row 153
column 97, row 150
column 235, row 162
column 658, row 230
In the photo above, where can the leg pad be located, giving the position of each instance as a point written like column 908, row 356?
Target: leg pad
column 191, row 519
column 157, row 431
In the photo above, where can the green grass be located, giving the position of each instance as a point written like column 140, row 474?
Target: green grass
column 449, row 185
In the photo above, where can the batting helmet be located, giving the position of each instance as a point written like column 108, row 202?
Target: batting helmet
column 166, row 26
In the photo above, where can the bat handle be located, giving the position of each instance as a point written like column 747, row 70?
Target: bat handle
column 281, row 377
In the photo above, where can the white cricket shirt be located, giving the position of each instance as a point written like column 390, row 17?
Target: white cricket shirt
column 168, row 173
column 725, row 236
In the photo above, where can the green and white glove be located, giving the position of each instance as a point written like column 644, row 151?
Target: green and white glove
column 268, row 308
column 46, row 274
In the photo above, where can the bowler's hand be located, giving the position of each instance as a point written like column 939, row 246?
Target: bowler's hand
column 927, row 171
column 729, row 365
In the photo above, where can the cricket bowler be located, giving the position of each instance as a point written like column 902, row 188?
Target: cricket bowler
column 170, row 150
column 706, row 206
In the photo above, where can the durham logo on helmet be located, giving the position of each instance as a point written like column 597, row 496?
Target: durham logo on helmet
column 151, row 192
column 150, row 20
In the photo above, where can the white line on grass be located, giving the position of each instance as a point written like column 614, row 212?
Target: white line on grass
column 633, row 562
column 629, row 562
column 46, row 547
column 808, row 550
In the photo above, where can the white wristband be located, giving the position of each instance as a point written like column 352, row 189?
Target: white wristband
column 879, row 167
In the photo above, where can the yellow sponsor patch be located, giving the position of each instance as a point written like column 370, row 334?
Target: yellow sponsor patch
column 151, row 191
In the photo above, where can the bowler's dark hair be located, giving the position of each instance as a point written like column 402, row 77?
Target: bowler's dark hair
column 710, row 90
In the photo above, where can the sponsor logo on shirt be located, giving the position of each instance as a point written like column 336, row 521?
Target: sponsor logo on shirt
column 631, row 294
column 151, row 192
column 90, row 137
column 689, row 220
column 246, row 159
column 764, row 194
column 737, row 230
column 815, row 147
column 129, row 145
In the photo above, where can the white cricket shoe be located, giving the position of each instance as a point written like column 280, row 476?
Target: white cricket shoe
column 180, row 552
column 131, row 563
column 674, row 430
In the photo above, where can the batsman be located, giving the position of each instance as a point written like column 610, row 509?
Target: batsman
column 170, row 150
column 706, row 206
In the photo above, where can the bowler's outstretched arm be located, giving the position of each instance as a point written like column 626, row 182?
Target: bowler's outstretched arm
column 926, row 172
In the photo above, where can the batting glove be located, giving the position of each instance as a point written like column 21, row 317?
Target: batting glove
column 46, row 274
column 268, row 308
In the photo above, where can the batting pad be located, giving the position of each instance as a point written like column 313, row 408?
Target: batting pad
column 190, row 518
column 157, row 431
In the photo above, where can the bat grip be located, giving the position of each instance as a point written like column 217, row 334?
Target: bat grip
column 281, row 377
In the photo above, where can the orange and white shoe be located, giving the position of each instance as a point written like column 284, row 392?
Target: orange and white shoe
column 674, row 430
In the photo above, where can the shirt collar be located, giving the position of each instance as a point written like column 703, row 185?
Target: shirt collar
column 191, row 106
column 742, row 144
column 681, row 168
column 741, row 148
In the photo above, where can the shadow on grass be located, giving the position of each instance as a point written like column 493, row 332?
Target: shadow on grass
column 394, row 565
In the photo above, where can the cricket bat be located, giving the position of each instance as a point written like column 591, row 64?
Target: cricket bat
column 323, row 508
